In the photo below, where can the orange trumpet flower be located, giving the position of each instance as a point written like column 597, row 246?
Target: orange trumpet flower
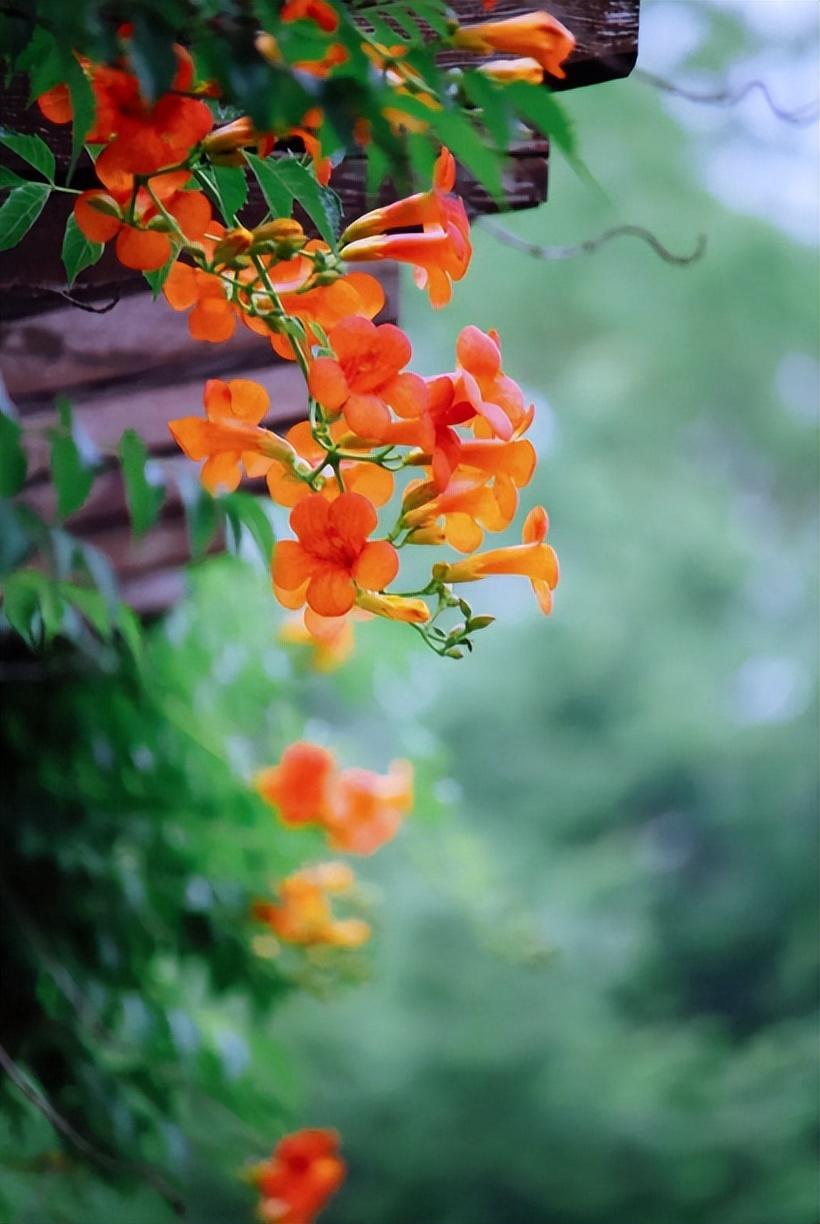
column 230, row 437
column 298, row 1179
column 333, row 557
column 536, row 35
column 533, row 559
column 303, row 913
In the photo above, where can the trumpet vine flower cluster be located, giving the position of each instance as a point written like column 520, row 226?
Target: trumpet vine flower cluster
column 455, row 442
column 386, row 463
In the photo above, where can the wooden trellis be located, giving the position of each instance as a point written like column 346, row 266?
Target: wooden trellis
column 137, row 366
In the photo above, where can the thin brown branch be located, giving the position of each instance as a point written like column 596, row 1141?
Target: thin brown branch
column 147, row 1174
column 801, row 115
column 591, row 245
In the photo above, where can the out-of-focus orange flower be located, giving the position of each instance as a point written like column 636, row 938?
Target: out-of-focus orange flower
column 333, row 557
column 360, row 810
column 368, row 808
column 330, row 638
column 141, row 137
column 526, row 69
column 320, row 12
column 100, row 215
column 536, row 35
column 334, row 54
column 533, row 559
column 303, row 913
column 300, row 785
column 365, row 376
column 298, row 1179
column 440, row 254
column 230, row 436
column 372, row 481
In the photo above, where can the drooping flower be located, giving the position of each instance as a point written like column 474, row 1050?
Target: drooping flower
column 466, row 509
column 297, row 1180
column 440, row 253
column 299, row 787
column 230, row 437
column 537, row 35
column 360, row 810
column 480, row 380
column 533, row 559
column 333, row 557
column 302, row 914
column 369, row 808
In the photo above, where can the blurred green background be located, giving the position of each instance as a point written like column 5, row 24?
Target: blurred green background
column 591, row 998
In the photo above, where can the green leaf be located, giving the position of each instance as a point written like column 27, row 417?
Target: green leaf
column 31, row 149
column 539, row 107
column 84, row 107
column 201, row 514
column 13, row 461
column 232, row 190
column 151, row 51
column 130, row 630
column 321, row 204
column 467, row 146
column 158, row 278
column 244, row 510
column 43, row 62
column 9, row 179
column 19, row 211
column 78, row 251
column 277, row 196
column 492, row 103
column 32, row 606
column 73, row 473
column 144, row 496
column 284, row 180
column 90, row 604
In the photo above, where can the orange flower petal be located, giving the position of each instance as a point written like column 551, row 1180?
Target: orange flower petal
column 352, row 518
column 96, row 226
column 373, row 482
column 249, row 400
column 367, row 416
column 143, row 250
column 309, row 520
column 327, row 383
column 192, row 213
column 536, row 526
column 212, row 319
column 180, row 286
column 221, row 472
column 463, row 532
column 377, row 565
column 292, row 565
column 331, row 591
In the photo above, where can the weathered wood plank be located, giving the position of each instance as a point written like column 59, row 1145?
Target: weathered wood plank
column 73, row 350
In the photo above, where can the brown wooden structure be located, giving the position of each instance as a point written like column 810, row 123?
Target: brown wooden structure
column 136, row 366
